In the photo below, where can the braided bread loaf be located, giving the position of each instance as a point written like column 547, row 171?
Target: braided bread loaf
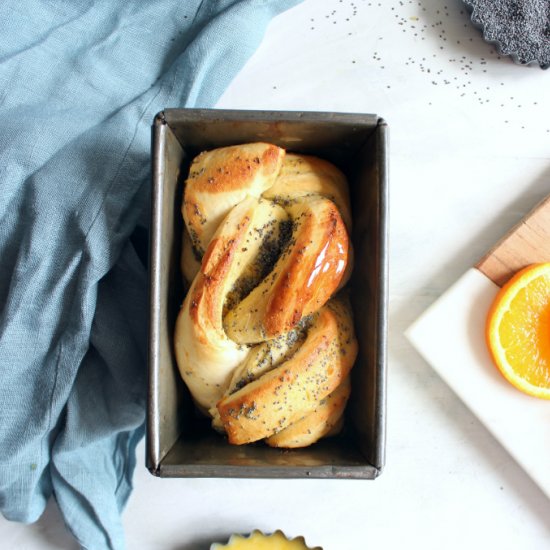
column 261, row 342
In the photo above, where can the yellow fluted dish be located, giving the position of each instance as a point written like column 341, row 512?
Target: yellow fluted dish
column 259, row 541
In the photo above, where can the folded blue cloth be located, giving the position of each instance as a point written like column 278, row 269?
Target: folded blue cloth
column 80, row 83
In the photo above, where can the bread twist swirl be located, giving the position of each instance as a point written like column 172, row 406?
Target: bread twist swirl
column 260, row 341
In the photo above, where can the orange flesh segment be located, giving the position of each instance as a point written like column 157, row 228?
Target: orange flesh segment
column 518, row 330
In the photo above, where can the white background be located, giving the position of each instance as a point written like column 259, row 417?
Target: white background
column 470, row 150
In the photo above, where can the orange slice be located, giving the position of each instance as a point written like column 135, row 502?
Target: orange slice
column 518, row 330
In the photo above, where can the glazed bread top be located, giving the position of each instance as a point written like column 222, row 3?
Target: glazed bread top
column 266, row 248
column 220, row 179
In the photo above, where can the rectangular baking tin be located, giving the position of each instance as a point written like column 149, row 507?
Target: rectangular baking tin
column 179, row 442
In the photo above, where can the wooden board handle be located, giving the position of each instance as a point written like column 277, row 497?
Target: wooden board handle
column 528, row 243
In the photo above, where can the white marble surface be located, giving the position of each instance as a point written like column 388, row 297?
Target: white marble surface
column 470, row 155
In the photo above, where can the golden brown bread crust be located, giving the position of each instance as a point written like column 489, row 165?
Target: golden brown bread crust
column 303, row 279
column 261, row 359
column 324, row 420
column 206, row 356
column 259, row 341
column 285, row 394
column 220, row 179
column 304, row 175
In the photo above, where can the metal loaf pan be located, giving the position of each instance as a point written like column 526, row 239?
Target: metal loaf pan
column 180, row 443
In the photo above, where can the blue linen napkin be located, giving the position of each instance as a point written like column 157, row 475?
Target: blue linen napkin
column 80, row 83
